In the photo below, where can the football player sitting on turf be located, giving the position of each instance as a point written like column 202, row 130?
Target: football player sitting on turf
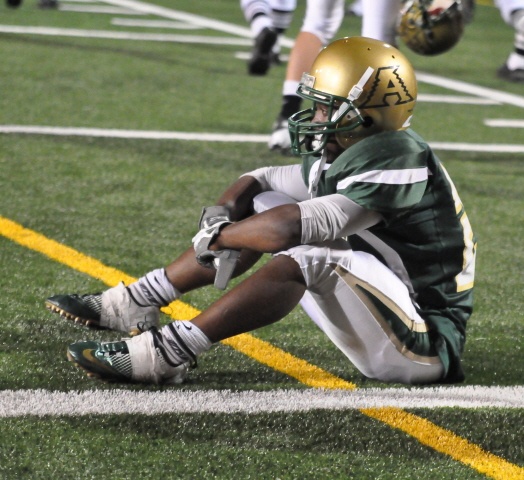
column 368, row 234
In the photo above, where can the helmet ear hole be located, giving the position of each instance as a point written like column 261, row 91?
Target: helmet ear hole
column 368, row 122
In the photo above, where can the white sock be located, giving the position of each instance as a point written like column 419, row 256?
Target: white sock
column 153, row 289
column 515, row 61
column 259, row 23
column 281, row 19
column 290, row 87
column 184, row 341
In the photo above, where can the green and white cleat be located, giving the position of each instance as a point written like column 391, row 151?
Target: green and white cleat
column 113, row 309
column 138, row 359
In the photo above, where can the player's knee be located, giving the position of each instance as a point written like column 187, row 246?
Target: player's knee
column 320, row 31
column 312, row 262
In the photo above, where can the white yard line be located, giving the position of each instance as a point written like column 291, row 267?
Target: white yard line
column 16, row 403
column 132, row 22
column 82, row 8
column 471, row 89
column 478, row 147
column 476, row 94
column 501, row 122
column 455, row 99
column 284, row 57
column 114, row 35
column 455, row 85
column 150, row 9
column 218, row 137
column 171, row 14
column 134, row 134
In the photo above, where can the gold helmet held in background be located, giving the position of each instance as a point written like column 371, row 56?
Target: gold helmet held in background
column 431, row 27
column 367, row 86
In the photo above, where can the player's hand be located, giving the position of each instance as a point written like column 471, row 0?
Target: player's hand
column 202, row 242
column 213, row 220
column 213, row 215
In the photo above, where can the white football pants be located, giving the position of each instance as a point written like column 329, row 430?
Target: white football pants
column 344, row 288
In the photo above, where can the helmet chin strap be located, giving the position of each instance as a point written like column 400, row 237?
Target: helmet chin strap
column 313, row 182
column 353, row 95
column 358, row 88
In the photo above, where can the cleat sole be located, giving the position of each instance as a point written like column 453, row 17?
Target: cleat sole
column 77, row 320
column 92, row 324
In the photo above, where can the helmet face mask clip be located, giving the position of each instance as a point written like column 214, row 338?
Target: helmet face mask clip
column 311, row 137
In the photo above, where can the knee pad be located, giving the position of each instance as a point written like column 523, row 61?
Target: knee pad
column 312, row 262
column 317, row 263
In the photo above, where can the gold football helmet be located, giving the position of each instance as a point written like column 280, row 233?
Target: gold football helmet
column 368, row 86
column 431, row 27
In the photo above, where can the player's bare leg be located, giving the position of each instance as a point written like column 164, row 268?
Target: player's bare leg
column 164, row 356
column 122, row 308
column 262, row 299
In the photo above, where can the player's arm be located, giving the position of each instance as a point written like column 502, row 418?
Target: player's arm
column 316, row 220
column 268, row 232
column 235, row 204
column 238, row 198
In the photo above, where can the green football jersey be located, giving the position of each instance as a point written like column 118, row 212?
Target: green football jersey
column 425, row 237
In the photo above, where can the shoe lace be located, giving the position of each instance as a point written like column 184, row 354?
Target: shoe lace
column 146, row 326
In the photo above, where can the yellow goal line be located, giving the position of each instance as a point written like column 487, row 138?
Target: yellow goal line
column 426, row 432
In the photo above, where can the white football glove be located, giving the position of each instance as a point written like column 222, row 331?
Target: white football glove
column 213, row 219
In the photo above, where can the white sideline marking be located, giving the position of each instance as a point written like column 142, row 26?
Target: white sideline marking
column 456, row 85
column 219, row 137
column 154, row 37
column 247, row 55
column 478, row 147
column 15, row 403
column 193, row 19
column 455, row 99
column 131, row 22
column 97, row 9
column 149, row 9
column 470, row 89
column 136, row 134
column 504, row 123
column 486, row 96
